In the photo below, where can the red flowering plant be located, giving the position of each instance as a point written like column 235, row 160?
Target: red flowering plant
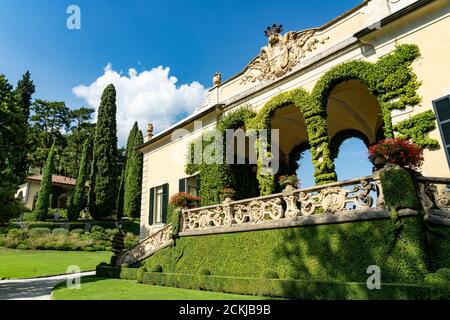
column 185, row 200
column 286, row 180
column 398, row 151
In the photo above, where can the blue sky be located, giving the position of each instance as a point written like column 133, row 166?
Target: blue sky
column 190, row 40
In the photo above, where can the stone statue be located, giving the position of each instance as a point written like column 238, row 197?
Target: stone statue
column 217, row 80
column 281, row 54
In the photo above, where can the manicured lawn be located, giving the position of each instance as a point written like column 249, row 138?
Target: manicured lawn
column 93, row 288
column 28, row 264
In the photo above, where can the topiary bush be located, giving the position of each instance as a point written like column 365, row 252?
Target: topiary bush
column 435, row 279
column 140, row 274
column 445, row 272
column 156, row 268
column 204, row 272
column 97, row 229
column 269, row 274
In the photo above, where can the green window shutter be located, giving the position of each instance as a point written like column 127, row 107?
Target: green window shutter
column 197, row 181
column 152, row 204
column 182, row 185
column 165, row 202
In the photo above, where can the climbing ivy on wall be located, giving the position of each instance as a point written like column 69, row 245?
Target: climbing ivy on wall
column 391, row 80
column 215, row 177
column 417, row 128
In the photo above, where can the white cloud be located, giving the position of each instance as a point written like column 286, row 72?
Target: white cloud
column 150, row 96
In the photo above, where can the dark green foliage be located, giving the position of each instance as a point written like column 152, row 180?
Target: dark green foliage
column 269, row 274
column 75, row 204
column 124, row 265
column 43, row 201
column 176, row 219
column 339, row 252
column 445, row 272
column 204, row 272
column 133, row 176
column 292, row 289
column 417, row 128
column 439, row 244
column 120, row 194
column 23, row 95
column 102, row 199
column 436, row 279
column 12, row 141
column 398, row 188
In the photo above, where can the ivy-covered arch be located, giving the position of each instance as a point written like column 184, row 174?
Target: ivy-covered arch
column 299, row 98
column 341, row 136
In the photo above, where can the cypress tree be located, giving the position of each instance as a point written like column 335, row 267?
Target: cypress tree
column 133, row 179
column 102, row 197
column 76, row 199
column 121, row 190
column 45, row 190
column 23, row 95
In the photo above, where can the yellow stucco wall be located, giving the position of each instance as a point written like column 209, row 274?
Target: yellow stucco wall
column 427, row 27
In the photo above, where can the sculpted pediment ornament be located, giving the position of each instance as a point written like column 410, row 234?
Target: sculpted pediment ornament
column 281, row 54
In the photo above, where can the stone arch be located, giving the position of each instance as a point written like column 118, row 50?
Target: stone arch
column 298, row 98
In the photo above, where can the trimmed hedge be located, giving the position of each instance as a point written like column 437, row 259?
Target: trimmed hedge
column 294, row 289
column 340, row 252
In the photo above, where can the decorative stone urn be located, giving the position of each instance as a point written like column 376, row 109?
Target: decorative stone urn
column 228, row 194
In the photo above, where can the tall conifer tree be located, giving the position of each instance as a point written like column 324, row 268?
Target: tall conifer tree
column 133, row 178
column 102, row 198
column 75, row 204
column 45, row 190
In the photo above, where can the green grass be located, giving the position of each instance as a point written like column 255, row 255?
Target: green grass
column 94, row 288
column 29, row 264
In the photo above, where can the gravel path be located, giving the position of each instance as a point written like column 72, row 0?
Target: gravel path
column 32, row 289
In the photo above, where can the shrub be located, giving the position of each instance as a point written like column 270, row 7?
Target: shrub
column 156, row 268
column 89, row 249
column 75, row 225
column 124, row 266
column 30, row 216
column 204, row 272
column 435, row 279
column 77, row 231
column 39, row 231
column 60, row 231
column 445, row 272
column 97, row 229
column 103, row 264
column 22, row 246
column 269, row 274
column 140, row 274
column 397, row 151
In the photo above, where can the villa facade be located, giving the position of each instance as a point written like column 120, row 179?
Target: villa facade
column 371, row 73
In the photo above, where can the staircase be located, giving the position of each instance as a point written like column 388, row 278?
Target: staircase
column 147, row 247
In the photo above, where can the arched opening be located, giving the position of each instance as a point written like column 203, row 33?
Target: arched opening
column 293, row 144
column 354, row 122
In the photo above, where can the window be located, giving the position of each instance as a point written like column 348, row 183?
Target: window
column 158, row 205
column 442, row 111
column 190, row 185
column 159, row 200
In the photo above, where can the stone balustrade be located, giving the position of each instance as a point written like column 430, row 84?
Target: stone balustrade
column 156, row 241
column 434, row 194
column 331, row 203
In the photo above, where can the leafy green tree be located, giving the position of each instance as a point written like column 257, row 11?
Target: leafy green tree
column 102, row 197
column 45, row 190
column 12, row 126
column 76, row 199
column 48, row 122
column 24, row 94
column 133, row 178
